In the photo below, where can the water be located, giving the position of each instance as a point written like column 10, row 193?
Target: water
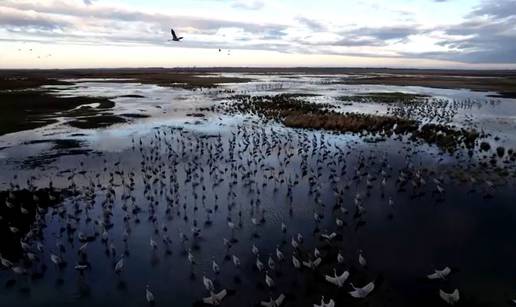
column 246, row 168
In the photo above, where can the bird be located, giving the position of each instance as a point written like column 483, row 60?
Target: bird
column 312, row 264
column 362, row 292
column 450, row 298
column 337, row 280
column 361, row 259
column 268, row 280
column 208, row 283
column 274, row 302
column 174, row 36
column 296, row 262
column 119, row 266
column 440, row 274
column 149, row 295
column 215, row 298
column 331, row 303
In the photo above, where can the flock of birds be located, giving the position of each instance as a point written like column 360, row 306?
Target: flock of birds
column 203, row 180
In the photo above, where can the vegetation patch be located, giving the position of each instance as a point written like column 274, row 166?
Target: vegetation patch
column 387, row 98
column 30, row 109
column 297, row 113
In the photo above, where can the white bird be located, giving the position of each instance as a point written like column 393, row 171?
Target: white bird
column 191, row 258
column 259, row 264
column 294, row 243
column 268, row 280
column 362, row 292
column 331, row 303
column 312, row 264
column 440, row 274
column 215, row 298
column 6, row 263
column 337, row 280
column 279, row 254
column 174, row 36
column 274, row 303
column 215, row 267
column 339, row 222
column 300, row 238
column 317, row 253
column 24, row 246
column 450, row 298
column 208, row 283
column 236, row 261
column 19, row 270
column 153, row 244
column 56, row 259
column 361, row 260
column 340, row 258
column 271, row 263
column 148, row 295
column 119, row 266
column 296, row 262
column 255, row 250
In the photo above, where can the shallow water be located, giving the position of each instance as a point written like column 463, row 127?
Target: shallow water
column 189, row 165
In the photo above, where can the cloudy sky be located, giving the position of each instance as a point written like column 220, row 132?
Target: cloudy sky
column 134, row 33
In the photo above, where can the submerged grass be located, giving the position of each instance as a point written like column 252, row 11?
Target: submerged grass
column 30, row 109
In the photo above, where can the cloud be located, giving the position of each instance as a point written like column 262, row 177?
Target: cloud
column 311, row 24
column 12, row 18
column 486, row 35
column 248, row 4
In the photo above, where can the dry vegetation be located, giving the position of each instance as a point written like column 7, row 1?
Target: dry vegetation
column 297, row 113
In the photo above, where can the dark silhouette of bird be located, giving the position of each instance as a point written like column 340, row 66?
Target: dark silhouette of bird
column 174, row 36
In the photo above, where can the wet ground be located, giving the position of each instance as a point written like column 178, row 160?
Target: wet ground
column 205, row 179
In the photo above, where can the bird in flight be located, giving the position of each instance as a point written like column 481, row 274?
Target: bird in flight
column 174, row 36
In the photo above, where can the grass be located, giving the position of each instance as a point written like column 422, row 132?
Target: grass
column 297, row 113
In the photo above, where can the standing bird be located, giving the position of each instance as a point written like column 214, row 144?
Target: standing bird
column 149, row 296
column 174, row 36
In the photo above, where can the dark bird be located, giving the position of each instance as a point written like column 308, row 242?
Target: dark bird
column 174, row 36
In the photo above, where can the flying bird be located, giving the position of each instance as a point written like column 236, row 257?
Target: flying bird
column 450, row 298
column 440, row 274
column 215, row 298
column 362, row 292
column 174, row 36
column 274, row 303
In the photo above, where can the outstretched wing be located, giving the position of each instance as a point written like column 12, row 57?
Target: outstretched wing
column 173, row 33
column 331, row 279
column 280, row 300
column 317, row 261
column 266, row 304
column 209, row 300
column 368, row 288
column 221, row 295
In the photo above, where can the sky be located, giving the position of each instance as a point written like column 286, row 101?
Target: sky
column 468, row 34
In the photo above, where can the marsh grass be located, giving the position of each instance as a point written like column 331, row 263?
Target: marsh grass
column 297, row 113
